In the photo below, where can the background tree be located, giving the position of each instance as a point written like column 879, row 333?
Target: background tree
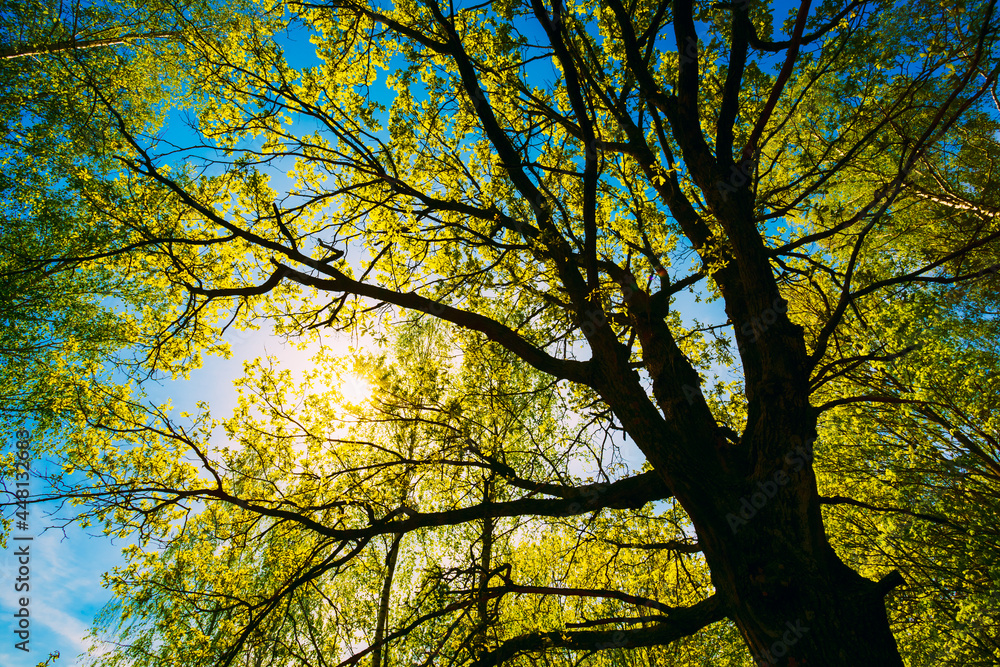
column 68, row 306
column 551, row 179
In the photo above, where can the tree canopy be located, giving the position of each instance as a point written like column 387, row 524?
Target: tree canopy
column 757, row 242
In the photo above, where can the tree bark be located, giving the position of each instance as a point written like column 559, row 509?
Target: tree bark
column 11, row 52
column 380, row 658
column 794, row 601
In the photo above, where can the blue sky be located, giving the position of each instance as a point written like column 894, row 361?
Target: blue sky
column 66, row 565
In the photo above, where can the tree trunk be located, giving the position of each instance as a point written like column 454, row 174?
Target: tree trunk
column 792, row 598
column 384, row 600
column 795, row 610
column 759, row 524
column 486, row 557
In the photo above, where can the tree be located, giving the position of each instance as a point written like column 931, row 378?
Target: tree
column 34, row 29
column 58, row 250
column 549, row 179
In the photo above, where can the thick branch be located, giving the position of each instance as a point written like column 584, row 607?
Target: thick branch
column 576, row 371
column 750, row 150
column 680, row 623
column 730, row 105
column 844, row 500
column 74, row 44
column 774, row 47
column 575, row 92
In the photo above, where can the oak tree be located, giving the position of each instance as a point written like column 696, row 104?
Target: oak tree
column 549, row 182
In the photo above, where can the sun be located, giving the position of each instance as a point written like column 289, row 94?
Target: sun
column 354, row 389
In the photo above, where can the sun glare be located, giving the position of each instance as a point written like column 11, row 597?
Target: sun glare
column 354, row 389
